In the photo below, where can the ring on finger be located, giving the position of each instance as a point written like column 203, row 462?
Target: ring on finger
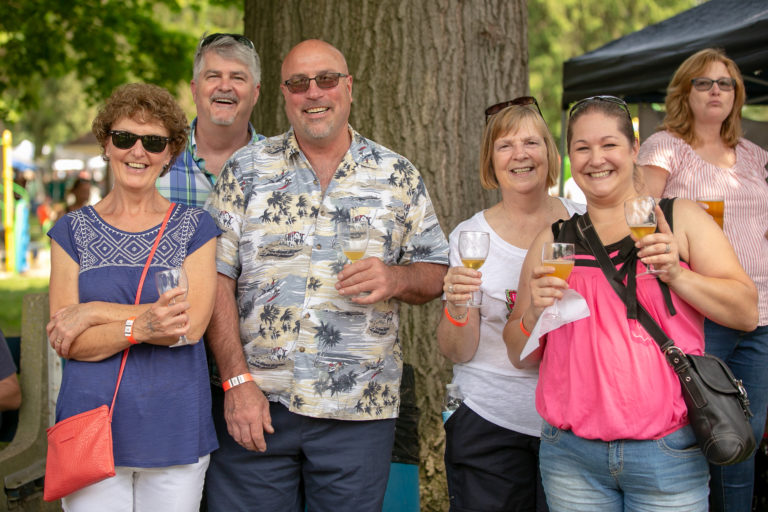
column 668, row 249
column 450, row 288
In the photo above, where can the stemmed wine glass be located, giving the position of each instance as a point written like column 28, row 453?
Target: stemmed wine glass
column 641, row 219
column 353, row 238
column 168, row 280
column 473, row 250
column 559, row 255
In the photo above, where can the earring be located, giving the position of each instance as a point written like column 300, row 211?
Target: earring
column 105, row 157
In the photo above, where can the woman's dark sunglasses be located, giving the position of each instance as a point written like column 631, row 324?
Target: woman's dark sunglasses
column 592, row 99
column 324, row 81
column 237, row 37
column 522, row 100
column 126, row 140
column 705, row 84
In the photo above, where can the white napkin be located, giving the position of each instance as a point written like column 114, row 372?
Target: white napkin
column 572, row 307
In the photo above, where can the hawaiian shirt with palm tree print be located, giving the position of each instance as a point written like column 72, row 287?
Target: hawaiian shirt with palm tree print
column 312, row 349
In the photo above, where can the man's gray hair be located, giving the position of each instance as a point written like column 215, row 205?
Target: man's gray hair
column 228, row 47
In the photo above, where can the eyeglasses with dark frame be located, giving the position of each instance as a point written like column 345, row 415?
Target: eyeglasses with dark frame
column 324, row 81
column 237, row 37
column 522, row 101
column 704, row 84
column 126, row 140
column 609, row 99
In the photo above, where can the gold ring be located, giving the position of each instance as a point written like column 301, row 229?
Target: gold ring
column 58, row 341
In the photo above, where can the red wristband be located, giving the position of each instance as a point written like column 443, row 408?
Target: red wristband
column 455, row 322
column 236, row 381
column 128, row 331
column 522, row 328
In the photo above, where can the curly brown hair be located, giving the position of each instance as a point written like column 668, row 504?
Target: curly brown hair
column 679, row 118
column 143, row 103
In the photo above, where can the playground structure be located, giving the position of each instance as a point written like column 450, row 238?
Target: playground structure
column 15, row 213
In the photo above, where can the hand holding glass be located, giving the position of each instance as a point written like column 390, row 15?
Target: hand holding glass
column 168, row 280
column 641, row 219
column 560, row 256
column 473, row 250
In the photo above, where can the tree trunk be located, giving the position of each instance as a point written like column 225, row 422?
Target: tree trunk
column 424, row 72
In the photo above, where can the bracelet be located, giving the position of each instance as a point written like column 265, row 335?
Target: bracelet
column 457, row 323
column 128, row 331
column 236, row 381
column 523, row 329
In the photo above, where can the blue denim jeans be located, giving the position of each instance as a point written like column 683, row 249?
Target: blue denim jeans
column 746, row 354
column 587, row 475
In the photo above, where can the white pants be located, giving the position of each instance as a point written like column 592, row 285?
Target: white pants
column 167, row 489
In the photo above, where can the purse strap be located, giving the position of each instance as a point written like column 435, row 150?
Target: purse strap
column 587, row 231
column 138, row 298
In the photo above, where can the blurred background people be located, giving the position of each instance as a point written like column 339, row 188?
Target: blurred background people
column 616, row 435
column 79, row 194
column 700, row 153
column 492, row 440
column 162, row 427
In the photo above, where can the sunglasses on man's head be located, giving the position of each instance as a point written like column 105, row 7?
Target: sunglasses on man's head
column 324, row 81
column 592, row 99
column 522, row 100
column 705, row 84
column 237, row 37
column 126, row 140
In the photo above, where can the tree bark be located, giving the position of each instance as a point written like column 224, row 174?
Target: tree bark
column 424, row 72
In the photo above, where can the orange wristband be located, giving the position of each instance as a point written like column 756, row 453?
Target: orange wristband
column 128, row 331
column 523, row 329
column 236, row 381
column 455, row 322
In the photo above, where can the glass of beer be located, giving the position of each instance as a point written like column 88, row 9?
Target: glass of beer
column 715, row 207
column 560, row 256
column 473, row 250
column 641, row 219
column 353, row 239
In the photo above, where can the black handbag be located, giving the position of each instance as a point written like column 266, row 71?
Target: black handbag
column 718, row 407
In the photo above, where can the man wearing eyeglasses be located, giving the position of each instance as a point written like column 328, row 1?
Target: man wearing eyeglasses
column 225, row 87
column 311, row 368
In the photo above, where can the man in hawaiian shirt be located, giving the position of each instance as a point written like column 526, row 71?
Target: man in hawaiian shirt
column 316, row 334
column 225, row 87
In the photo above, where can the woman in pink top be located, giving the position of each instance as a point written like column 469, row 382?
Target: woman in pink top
column 700, row 154
column 616, row 434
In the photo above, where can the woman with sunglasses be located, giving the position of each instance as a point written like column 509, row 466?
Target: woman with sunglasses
column 492, row 440
column 615, row 435
column 699, row 154
column 162, row 427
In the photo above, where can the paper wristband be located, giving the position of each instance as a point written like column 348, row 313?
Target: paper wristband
column 455, row 322
column 128, row 331
column 522, row 328
column 236, row 381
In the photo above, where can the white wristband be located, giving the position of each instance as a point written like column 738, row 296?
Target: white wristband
column 236, row 381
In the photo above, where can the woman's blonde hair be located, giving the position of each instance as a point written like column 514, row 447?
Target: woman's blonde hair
column 511, row 118
column 679, row 118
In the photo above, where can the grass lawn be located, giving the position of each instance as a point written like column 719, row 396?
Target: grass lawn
column 12, row 291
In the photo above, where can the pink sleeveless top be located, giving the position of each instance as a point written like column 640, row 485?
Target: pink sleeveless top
column 604, row 377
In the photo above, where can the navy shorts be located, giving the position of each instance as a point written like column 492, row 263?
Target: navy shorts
column 324, row 464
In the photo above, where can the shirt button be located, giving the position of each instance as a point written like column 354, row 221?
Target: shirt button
column 318, row 246
column 314, row 181
column 302, row 349
column 306, row 315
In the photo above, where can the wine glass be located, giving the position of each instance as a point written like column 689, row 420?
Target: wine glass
column 559, row 255
column 353, row 238
column 168, row 280
column 641, row 219
column 473, row 250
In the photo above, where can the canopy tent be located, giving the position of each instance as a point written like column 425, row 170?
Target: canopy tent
column 639, row 66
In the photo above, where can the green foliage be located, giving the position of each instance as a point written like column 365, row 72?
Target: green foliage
column 60, row 58
column 562, row 29
column 12, row 291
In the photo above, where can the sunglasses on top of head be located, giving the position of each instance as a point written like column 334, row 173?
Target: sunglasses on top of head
column 126, row 140
column 237, row 37
column 605, row 98
column 522, row 101
column 324, row 81
column 705, row 84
